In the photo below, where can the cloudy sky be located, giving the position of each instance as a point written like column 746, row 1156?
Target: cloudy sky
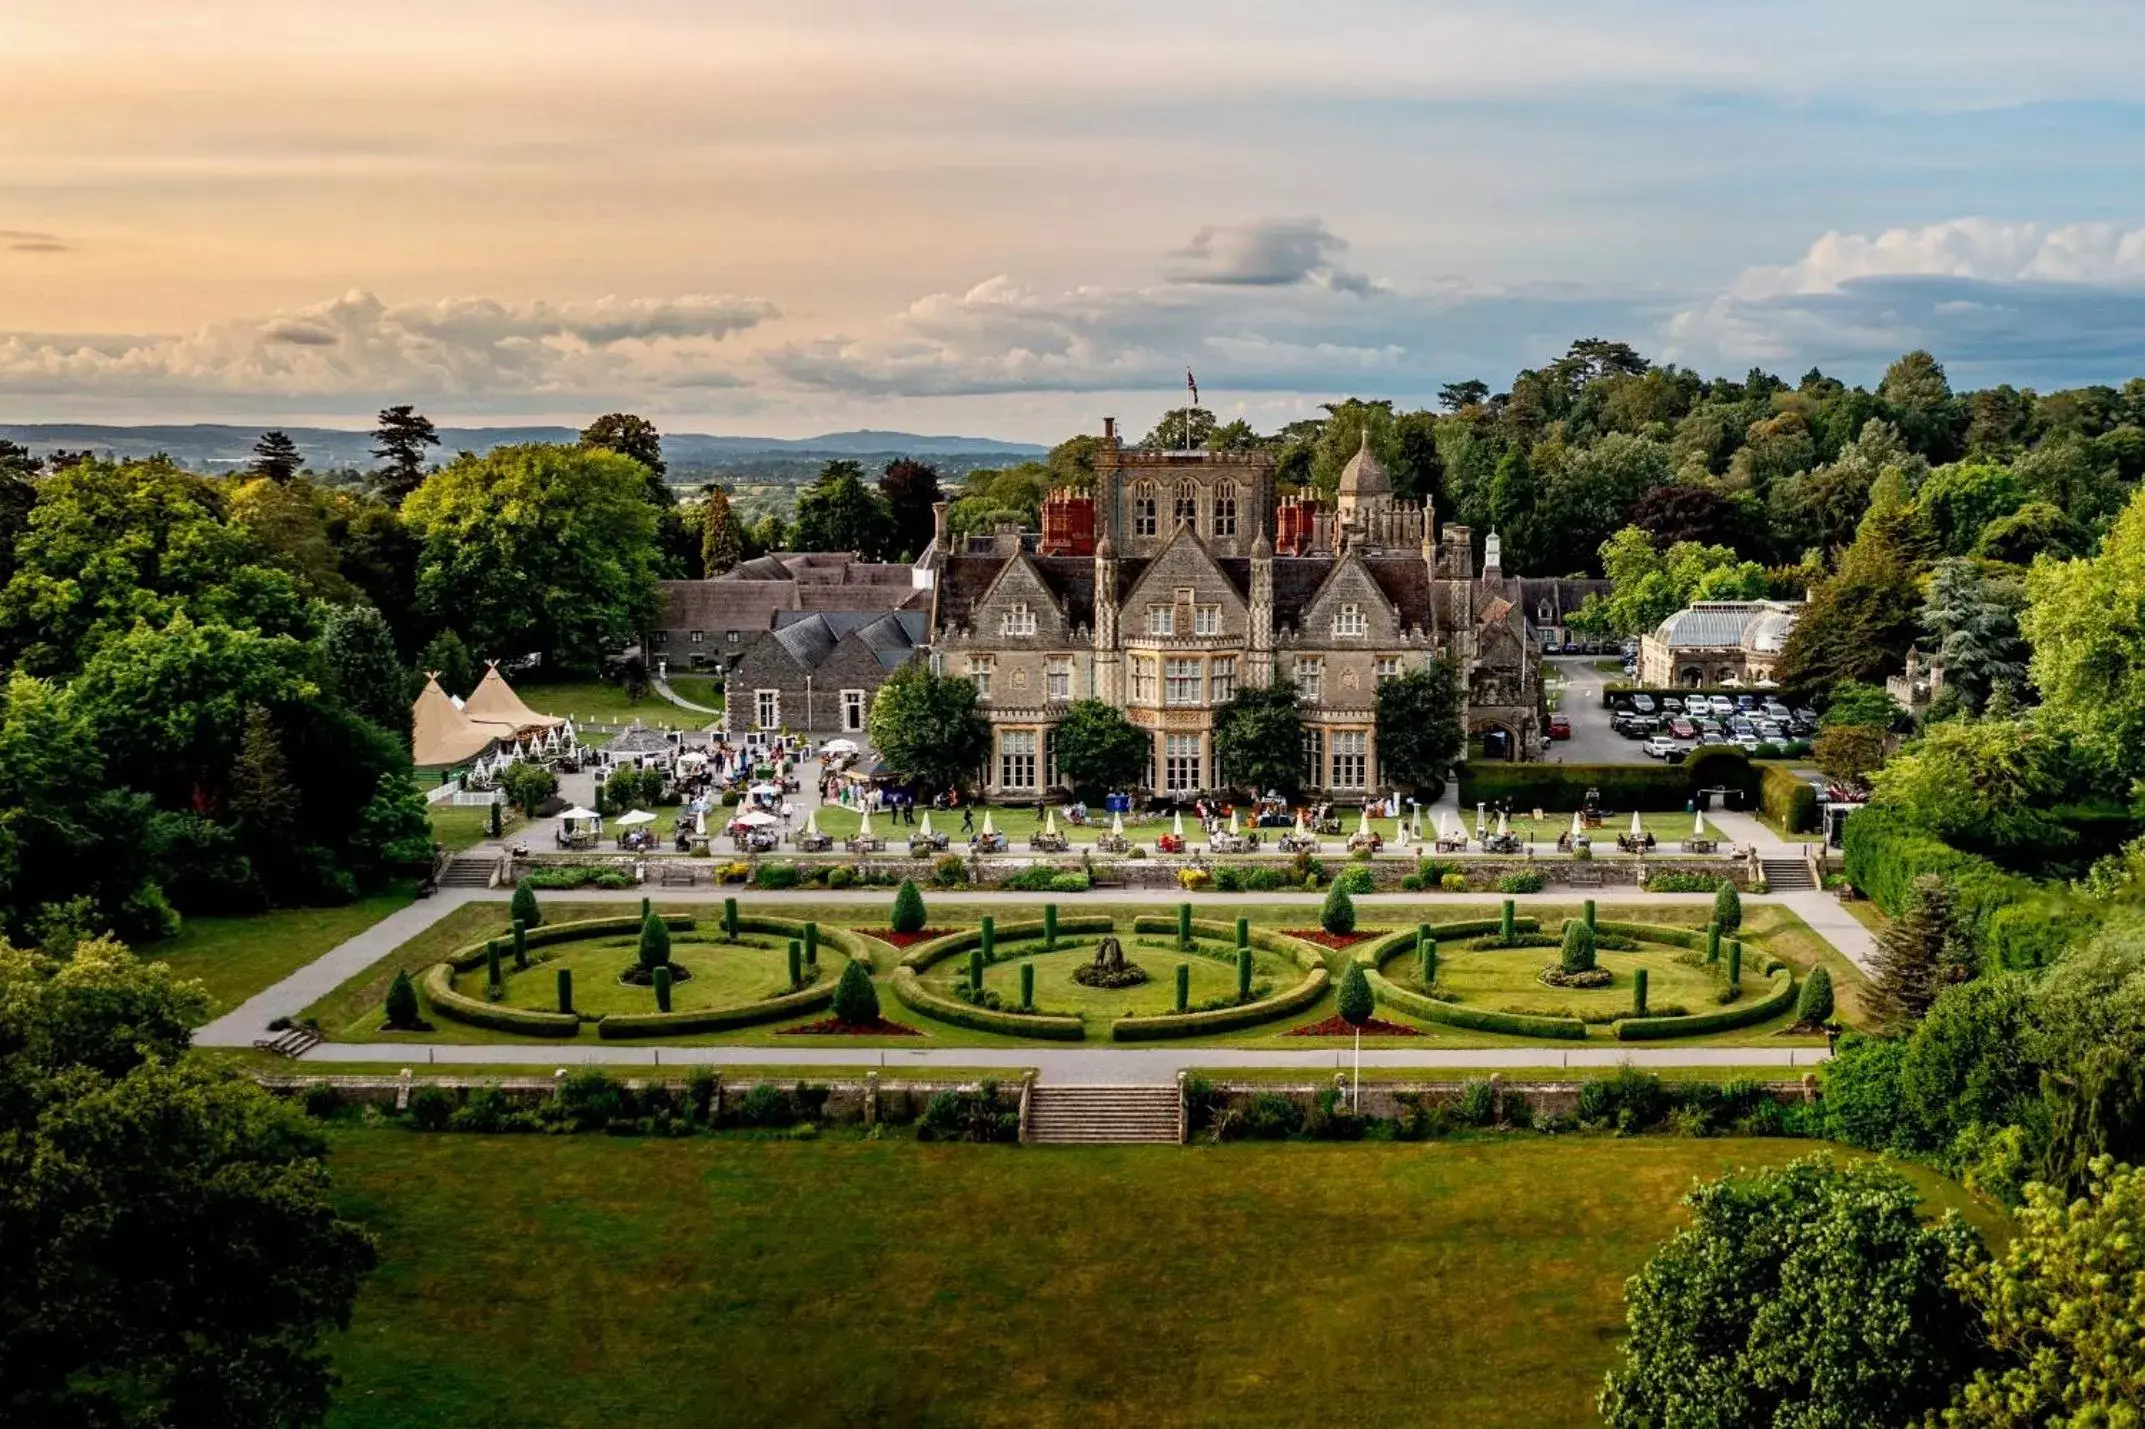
column 1009, row 217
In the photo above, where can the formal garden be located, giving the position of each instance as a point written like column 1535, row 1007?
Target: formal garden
column 931, row 970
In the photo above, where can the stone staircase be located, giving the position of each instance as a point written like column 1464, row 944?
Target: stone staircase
column 467, row 872
column 290, row 1042
column 1088, row 1116
column 1787, row 875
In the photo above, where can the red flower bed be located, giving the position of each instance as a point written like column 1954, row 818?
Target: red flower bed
column 835, row 1027
column 1329, row 940
column 905, row 940
column 1339, row 1026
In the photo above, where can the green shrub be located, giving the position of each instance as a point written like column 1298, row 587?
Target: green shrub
column 1655, row 789
column 1886, row 851
column 811, row 945
column 1589, row 915
column 1069, row 883
column 1356, row 1003
column 908, row 913
column 1272, row 1117
column 950, row 871
column 1713, row 942
column 1027, row 987
column 987, row 937
column 1787, row 800
column 1861, row 1104
column 523, row 909
column 729, row 919
column 1742, row 1014
column 1338, row 915
column 841, row 876
column 654, row 949
column 1578, row 952
column 1050, row 927
column 1425, row 959
column 1638, row 993
column 1735, row 972
column 1728, row 908
column 590, row 1100
column 796, row 963
column 521, row 946
column 430, row 1107
column 1481, row 1019
column 1184, row 925
column 976, row 960
column 494, row 820
column 662, row 988
column 1356, row 880
column 402, row 1003
column 1243, row 932
column 1478, row 1103
column 566, row 989
column 1814, row 1007
column 912, row 993
column 1682, row 882
column 856, row 1001
column 1243, row 967
column 491, row 964
column 1453, row 883
column 1184, row 986
column 1507, row 921
column 1521, row 883
column 775, row 875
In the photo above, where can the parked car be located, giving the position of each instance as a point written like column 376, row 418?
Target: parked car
column 1770, row 731
column 1748, row 743
column 1559, row 727
column 1672, row 704
column 1682, row 728
column 1774, row 710
column 1643, row 703
column 1807, row 716
column 1722, row 706
column 1658, row 747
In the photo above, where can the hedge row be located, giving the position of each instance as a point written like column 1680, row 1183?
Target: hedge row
column 452, row 1005
column 1740, row 1014
column 1787, row 800
column 1886, row 851
column 1650, row 788
column 716, row 1019
column 853, row 946
column 1452, row 1014
column 1305, row 955
column 923, row 955
column 909, row 989
column 463, row 959
column 1222, row 1019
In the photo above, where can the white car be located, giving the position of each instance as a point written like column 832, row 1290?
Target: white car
column 1723, row 707
column 1774, row 710
column 1660, row 748
column 1771, row 732
column 1747, row 743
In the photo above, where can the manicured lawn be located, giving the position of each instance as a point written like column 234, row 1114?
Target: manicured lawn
column 595, row 1282
column 1503, row 980
column 723, row 974
column 700, row 689
column 599, row 700
column 469, row 825
column 1213, row 975
column 238, row 957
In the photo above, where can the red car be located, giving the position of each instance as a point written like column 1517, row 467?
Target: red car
column 1559, row 727
column 1683, row 729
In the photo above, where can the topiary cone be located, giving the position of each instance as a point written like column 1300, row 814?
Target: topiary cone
column 662, row 988
column 1184, row 986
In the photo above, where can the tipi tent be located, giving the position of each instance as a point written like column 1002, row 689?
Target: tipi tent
column 494, row 702
column 441, row 735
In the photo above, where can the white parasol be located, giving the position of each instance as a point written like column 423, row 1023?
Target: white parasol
column 811, row 821
column 1638, row 828
column 1504, row 823
column 1176, row 823
column 700, row 823
column 765, row 791
column 576, row 814
column 1400, row 834
column 1698, row 826
column 1578, row 827
column 1233, row 826
column 839, row 746
column 864, row 822
column 753, row 819
column 635, row 819
column 923, row 829
column 1363, row 823
column 1117, row 826
column 1050, row 820
column 1482, row 818
column 988, row 829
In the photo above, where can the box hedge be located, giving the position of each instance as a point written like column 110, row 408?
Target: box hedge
column 1787, row 800
column 1222, row 1019
column 1648, row 788
column 1480, row 1019
column 452, row 1005
column 465, row 958
column 910, row 991
column 1743, row 1014
column 923, row 955
column 620, row 1025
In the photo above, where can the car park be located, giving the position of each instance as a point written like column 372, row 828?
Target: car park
column 1746, row 703
column 1807, row 716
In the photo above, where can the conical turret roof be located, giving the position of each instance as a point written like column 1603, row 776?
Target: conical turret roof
column 1365, row 475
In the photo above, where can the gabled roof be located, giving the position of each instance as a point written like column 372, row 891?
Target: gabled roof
column 441, row 735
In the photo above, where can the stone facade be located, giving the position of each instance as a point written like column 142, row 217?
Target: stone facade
column 816, row 673
column 1180, row 597
column 707, row 625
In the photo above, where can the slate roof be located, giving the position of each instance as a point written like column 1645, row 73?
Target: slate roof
column 810, row 638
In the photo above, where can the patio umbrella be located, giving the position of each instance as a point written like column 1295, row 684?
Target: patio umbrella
column 1117, row 826
column 1698, row 826
column 1504, row 823
column 1176, row 823
column 1638, row 828
column 1233, row 826
column 635, row 819
column 864, row 822
column 1482, row 818
column 753, row 819
column 765, row 790
column 923, row 828
column 1050, row 820
column 1363, row 821
column 577, row 813
column 700, row 823
column 1578, row 827
column 1400, row 834
column 839, row 746
column 988, row 829
column 811, row 821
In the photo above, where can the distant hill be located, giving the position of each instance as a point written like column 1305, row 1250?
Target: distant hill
column 212, row 446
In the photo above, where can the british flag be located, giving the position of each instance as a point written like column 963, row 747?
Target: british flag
column 1193, row 383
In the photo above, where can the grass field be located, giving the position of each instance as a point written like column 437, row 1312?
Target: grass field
column 700, row 689
column 470, row 824
column 351, row 1012
column 583, row 700
column 1503, row 980
column 1213, row 975
column 597, row 1282
column 237, row 957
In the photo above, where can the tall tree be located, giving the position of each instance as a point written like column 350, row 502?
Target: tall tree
column 1917, row 396
column 1459, row 396
column 447, row 658
column 400, row 440
column 539, row 548
column 1098, row 750
column 1258, row 738
column 1974, row 619
column 276, row 457
column 1181, row 429
column 170, row 1248
column 1419, row 730
column 2085, row 620
column 722, row 536
column 263, row 800
column 1515, row 500
column 927, row 727
column 839, row 512
column 18, row 494
column 634, row 437
column 1917, row 956
column 1814, row 1294
column 911, row 489
column 363, row 670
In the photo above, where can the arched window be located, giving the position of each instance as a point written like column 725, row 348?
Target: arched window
column 1143, row 509
column 1187, row 504
column 1225, row 509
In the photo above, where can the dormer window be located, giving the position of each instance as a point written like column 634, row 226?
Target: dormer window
column 1350, row 621
column 1161, row 620
column 1019, row 619
column 1143, row 509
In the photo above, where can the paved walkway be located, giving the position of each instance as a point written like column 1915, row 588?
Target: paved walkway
column 1821, row 910
column 1065, row 1065
column 662, row 687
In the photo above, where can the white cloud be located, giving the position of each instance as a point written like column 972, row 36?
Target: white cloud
column 1997, row 301
column 1267, row 254
column 357, row 346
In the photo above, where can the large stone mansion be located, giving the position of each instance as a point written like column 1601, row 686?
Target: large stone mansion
column 1180, row 577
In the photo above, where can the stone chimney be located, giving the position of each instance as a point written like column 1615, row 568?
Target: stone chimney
column 1109, row 429
column 938, row 524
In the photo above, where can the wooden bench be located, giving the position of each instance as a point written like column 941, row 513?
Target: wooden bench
column 674, row 875
column 1585, row 877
